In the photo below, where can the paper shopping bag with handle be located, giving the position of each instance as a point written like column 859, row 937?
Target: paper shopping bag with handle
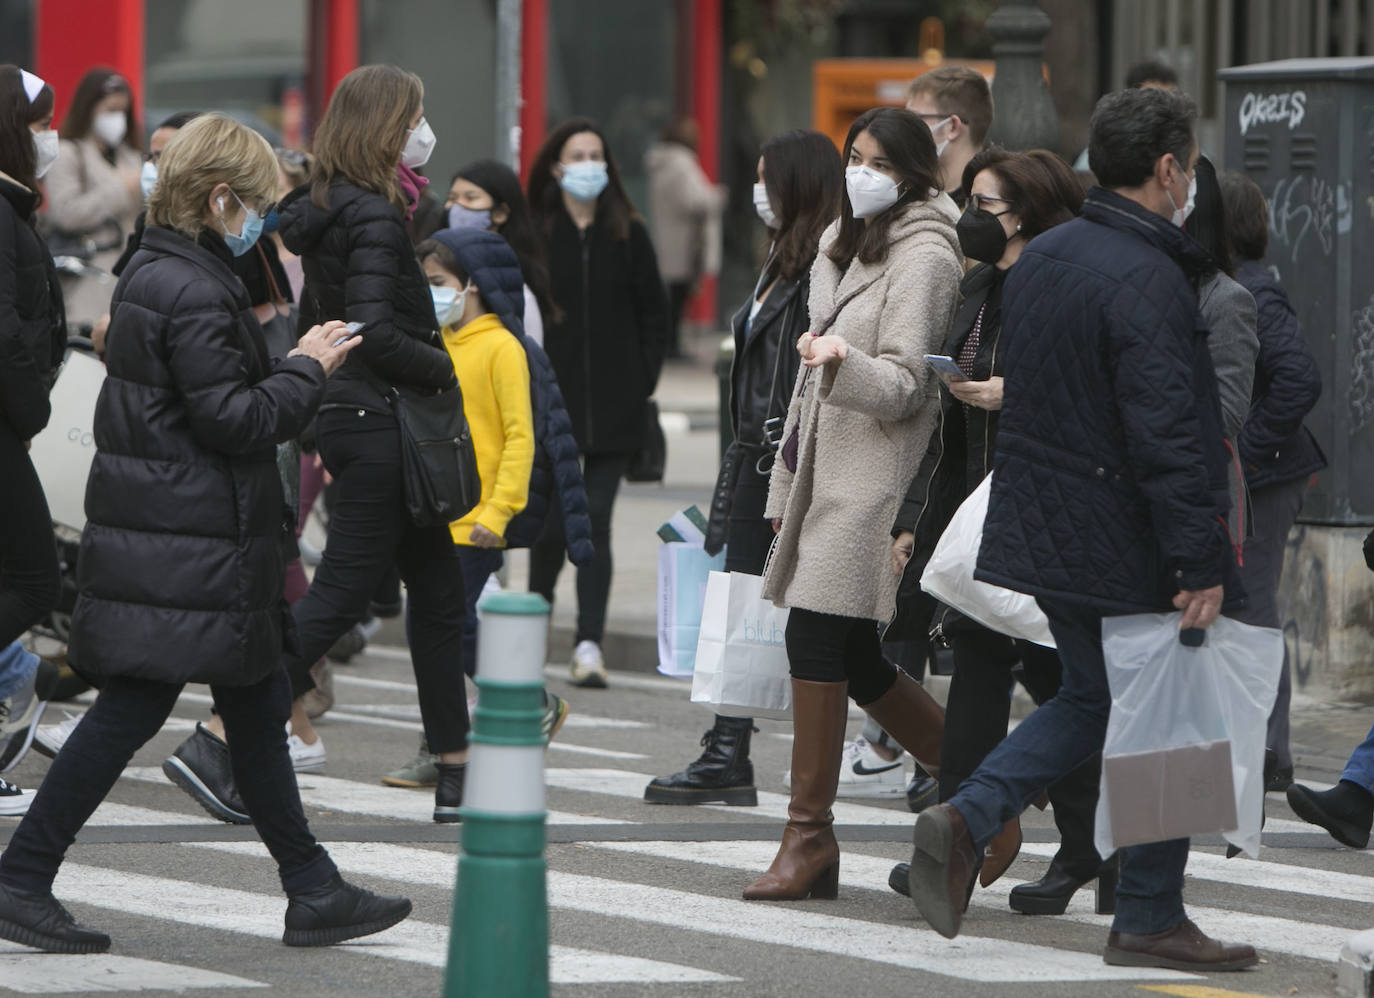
column 741, row 665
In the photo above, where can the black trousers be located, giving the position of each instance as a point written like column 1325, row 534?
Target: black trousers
column 976, row 716
column 125, row 715
column 827, row 648
column 601, row 474
column 679, row 293
column 369, row 532
column 29, row 585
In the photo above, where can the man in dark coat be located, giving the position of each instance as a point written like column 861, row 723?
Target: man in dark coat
column 1109, row 497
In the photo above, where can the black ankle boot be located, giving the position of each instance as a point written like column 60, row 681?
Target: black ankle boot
column 1051, row 893
column 40, row 921
column 1346, row 810
column 339, row 911
column 448, row 794
column 200, row 766
column 722, row 773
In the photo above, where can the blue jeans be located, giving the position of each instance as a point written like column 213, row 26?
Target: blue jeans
column 1064, row 733
column 17, row 666
column 478, row 564
column 1359, row 768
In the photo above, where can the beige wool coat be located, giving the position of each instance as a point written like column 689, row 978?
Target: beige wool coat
column 863, row 425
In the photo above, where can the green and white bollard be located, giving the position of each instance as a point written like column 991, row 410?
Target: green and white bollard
column 499, row 937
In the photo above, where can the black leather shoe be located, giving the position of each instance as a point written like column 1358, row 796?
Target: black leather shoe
column 900, row 879
column 922, row 791
column 1346, row 811
column 448, row 793
column 40, row 921
column 1049, row 895
column 722, row 773
column 200, row 766
column 339, row 911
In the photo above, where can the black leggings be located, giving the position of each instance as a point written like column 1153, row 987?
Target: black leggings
column 976, row 716
column 601, row 473
column 29, row 585
column 825, row 648
column 125, row 715
column 369, row 532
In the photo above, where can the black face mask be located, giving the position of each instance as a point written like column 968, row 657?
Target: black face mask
column 981, row 236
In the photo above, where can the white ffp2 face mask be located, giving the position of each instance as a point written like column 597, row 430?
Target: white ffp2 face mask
column 45, row 148
column 940, row 146
column 1180, row 216
column 870, row 192
column 763, row 207
column 110, row 127
column 419, row 145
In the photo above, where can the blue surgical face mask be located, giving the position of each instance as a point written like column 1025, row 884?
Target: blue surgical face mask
column 147, row 178
column 460, row 217
column 585, row 179
column 449, row 303
column 249, row 233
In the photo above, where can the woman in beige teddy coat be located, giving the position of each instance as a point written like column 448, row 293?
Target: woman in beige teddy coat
column 883, row 291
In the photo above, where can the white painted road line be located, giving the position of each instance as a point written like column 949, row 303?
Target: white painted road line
column 24, row 972
column 623, row 783
column 967, row 958
column 352, row 797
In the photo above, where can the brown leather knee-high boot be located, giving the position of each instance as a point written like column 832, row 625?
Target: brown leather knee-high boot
column 808, row 861
column 913, row 717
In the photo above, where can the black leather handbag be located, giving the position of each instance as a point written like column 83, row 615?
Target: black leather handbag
column 438, row 461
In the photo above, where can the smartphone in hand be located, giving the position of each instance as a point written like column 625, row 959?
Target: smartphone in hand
column 945, row 368
column 352, row 329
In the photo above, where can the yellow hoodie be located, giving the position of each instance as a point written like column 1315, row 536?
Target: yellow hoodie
column 495, row 378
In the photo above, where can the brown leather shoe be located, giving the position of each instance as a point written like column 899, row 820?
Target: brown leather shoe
column 913, row 718
column 1184, row 947
column 943, row 867
column 1001, row 852
column 808, row 861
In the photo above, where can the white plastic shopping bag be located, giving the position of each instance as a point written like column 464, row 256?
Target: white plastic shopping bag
column 682, row 572
column 63, row 452
column 741, row 665
column 949, row 577
column 1184, row 753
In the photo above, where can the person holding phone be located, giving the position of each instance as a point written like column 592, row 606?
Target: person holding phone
column 1013, row 197
column 883, row 290
column 184, row 584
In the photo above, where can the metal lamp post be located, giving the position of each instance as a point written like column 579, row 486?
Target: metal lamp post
column 1023, row 114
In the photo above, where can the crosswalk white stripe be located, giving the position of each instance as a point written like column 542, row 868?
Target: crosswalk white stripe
column 624, row 783
column 24, row 972
column 353, row 797
column 968, row 958
column 230, row 910
column 127, row 815
column 1267, row 933
column 1262, row 874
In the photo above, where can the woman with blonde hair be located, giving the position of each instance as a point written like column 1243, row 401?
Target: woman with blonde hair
column 182, row 558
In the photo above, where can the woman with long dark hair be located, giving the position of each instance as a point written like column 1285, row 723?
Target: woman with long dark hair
column 487, row 195
column 33, row 335
column 183, row 552
column 607, row 348
column 883, row 290
column 800, row 183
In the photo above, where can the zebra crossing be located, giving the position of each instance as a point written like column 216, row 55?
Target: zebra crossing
column 644, row 900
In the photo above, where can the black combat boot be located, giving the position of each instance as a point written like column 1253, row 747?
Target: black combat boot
column 723, row 773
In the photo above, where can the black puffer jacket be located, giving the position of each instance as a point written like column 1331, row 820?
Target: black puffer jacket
column 609, row 347
column 761, row 380
column 182, row 559
column 33, row 328
column 360, row 267
column 960, row 452
column 1274, row 444
column 1110, row 485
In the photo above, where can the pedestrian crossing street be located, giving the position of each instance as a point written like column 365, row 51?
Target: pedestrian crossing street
column 638, row 900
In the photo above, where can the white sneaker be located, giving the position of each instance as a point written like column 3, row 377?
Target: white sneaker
column 13, row 801
column 50, row 738
column 864, row 773
column 305, row 758
column 588, row 666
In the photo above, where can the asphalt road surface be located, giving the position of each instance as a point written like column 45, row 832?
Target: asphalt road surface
column 644, row 900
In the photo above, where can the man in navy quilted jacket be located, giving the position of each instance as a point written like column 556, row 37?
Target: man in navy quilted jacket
column 1109, row 497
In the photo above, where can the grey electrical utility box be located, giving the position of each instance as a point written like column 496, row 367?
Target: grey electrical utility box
column 1303, row 129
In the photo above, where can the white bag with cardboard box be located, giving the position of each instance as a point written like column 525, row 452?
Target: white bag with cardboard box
column 741, row 665
column 63, row 452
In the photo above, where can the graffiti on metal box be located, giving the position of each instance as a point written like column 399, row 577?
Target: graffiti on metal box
column 1303, row 208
